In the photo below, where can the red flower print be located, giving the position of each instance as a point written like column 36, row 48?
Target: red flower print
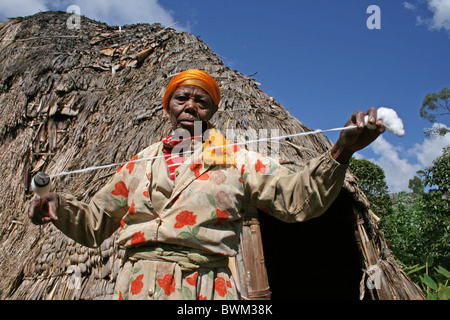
column 236, row 148
column 120, row 295
column 204, row 176
column 260, row 167
column 130, row 165
column 229, row 284
column 146, row 194
column 120, row 189
column 167, row 284
column 195, row 167
column 222, row 215
column 242, row 172
column 200, row 297
column 122, row 224
column 219, row 286
column 192, row 280
column 131, row 210
column 137, row 285
column 120, row 168
column 137, row 238
column 185, row 218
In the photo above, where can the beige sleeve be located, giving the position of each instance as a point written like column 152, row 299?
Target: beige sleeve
column 90, row 224
column 290, row 196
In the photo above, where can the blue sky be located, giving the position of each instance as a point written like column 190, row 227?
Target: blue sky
column 317, row 58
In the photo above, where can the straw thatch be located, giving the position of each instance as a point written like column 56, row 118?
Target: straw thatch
column 75, row 98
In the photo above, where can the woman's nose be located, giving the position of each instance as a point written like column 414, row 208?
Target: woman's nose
column 190, row 105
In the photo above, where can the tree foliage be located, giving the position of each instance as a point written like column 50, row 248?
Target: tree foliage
column 437, row 177
column 434, row 282
column 372, row 181
column 433, row 106
column 416, row 185
column 418, row 229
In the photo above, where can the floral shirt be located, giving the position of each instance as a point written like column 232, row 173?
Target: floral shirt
column 203, row 206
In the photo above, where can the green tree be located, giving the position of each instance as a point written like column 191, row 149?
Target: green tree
column 403, row 229
column 436, row 105
column 418, row 229
column 372, row 181
column 437, row 202
column 437, row 176
column 416, row 185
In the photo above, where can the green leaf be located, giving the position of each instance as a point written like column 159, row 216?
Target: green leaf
column 429, row 282
column 158, row 291
column 432, row 296
column 186, row 235
column 135, row 270
column 211, row 200
column 444, row 293
column 244, row 177
column 414, row 270
column 187, row 293
column 443, row 271
column 195, row 230
column 120, row 203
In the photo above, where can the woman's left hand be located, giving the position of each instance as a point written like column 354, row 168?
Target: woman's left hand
column 353, row 140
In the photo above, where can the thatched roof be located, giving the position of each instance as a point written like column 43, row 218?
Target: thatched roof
column 76, row 98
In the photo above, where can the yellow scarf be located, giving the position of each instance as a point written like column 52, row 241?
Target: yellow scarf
column 217, row 150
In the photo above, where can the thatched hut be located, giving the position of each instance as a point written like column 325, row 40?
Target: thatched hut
column 74, row 98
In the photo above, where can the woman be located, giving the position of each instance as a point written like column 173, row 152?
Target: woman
column 179, row 214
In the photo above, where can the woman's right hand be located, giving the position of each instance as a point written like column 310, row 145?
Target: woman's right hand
column 43, row 209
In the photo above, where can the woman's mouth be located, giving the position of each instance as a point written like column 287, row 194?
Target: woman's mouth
column 187, row 121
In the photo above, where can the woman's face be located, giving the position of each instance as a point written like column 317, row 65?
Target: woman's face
column 189, row 104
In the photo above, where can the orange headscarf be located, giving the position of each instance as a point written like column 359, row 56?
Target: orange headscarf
column 193, row 77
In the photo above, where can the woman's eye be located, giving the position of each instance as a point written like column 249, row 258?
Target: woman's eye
column 181, row 98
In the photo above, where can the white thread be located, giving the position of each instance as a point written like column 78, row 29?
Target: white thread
column 64, row 173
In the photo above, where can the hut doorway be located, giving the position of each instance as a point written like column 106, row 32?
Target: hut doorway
column 316, row 259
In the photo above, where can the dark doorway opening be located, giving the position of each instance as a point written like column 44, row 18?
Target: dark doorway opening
column 315, row 259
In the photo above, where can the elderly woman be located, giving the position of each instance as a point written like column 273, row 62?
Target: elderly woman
column 179, row 213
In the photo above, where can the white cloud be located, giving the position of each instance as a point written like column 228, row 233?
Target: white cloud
column 440, row 19
column 17, row 8
column 112, row 12
column 358, row 156
column 431, row 148
column 119, row 12
column 397, row 167
column 441, row 14
column 397, row 170
column 409, row 6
